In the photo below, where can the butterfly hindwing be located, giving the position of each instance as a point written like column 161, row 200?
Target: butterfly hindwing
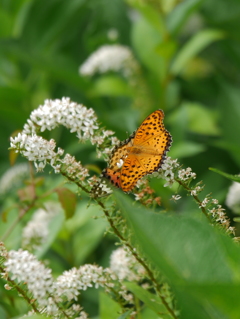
column 131, row 172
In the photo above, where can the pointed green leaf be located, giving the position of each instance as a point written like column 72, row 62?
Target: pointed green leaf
column 147, row 51
column 235, row 178
column 54, row 228
column 180, row 14
column 125, row 315
column 197, row 259
column 193, row 47
column 110, row 85
column 150, row 14
column 109, row 309
column 68, row 200
column 152, row 301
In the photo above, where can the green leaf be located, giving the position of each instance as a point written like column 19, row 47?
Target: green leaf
column 229, row 119
column 186, row 149
column 68, row 200
column 166, row 49
column 235, row 178
column 109, row 86
column 150, row 14
column 200, row 262
column 193, row 47
column 109, row 309
column 152, row 301
column 201, row 119
column 125, row 314
column 54, row 228
column 193, row 117
column 147, row 51
column 37, row 317
column 86, row 232
column 177, row 17
column 6, row 23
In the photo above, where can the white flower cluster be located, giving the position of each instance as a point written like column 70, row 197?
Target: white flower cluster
column 186, row 174
column 36, row 232
column 74, row 168
column 233, row 197
column 71, row 282
column 49, row 294
column 219, row 214
column 13, row 176
column 125, row 266
column 99, row 187
column 196, row 190
column 109, row 58
column 37, row 149
column 167, row 171
column 24, row 267
column 73, row 116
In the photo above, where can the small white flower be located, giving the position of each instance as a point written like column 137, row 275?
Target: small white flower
column 167, row 171
column 185, row 174
column 7, row 287
column 176, row 197
column 204, row 202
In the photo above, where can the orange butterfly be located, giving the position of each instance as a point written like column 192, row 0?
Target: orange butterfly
column 141, row 154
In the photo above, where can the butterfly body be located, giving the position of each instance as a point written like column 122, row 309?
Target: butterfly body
column 141, row 154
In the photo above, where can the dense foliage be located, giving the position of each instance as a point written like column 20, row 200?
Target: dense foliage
column 182, row 57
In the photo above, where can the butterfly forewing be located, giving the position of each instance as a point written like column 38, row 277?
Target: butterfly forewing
column 152, row 126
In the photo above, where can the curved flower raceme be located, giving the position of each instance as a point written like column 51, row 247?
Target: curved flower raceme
column 78, row 119
column 23, row 267
column 73, row 116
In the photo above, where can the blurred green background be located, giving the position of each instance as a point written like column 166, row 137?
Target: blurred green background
column 189, row 53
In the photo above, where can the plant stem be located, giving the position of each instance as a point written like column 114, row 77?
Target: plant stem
column 21, row 292
column 17, row 220
column 195, row 197
column 119, row 235
column 148, row 270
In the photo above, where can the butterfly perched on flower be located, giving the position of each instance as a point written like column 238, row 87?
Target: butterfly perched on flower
column 141, row 154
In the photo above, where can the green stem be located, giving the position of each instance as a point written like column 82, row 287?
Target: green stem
column 17, row 220
column 195, row 197
column 21, row 292
column 119, row 235
column 148, row 270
